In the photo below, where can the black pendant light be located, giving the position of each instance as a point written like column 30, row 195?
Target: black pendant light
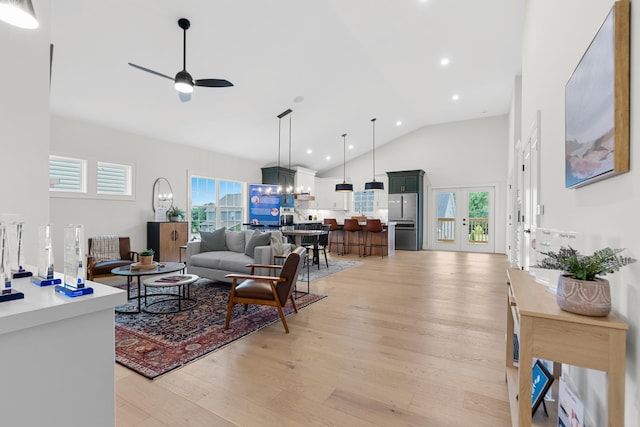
column 280, row 116
column 374, row 185
column 344, row 187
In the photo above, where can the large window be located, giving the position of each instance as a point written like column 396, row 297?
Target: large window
column 215, row 204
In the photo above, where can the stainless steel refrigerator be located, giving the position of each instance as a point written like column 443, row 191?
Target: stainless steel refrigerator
column 403, row 210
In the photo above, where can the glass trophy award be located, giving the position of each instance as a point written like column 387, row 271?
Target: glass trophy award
column 7, row 293
column 18, row 269
column 74, row 274
column 45, row 275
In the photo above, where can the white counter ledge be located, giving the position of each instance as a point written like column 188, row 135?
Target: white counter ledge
column 42, row 305
column 58, row 357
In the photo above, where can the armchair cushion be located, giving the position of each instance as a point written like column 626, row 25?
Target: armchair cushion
column 258, row 239
column 213, row 240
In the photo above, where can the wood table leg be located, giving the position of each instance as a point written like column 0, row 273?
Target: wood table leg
column 525, row 374
column 615, row 378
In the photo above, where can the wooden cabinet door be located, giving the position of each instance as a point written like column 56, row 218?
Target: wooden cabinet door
column 172, row 236
column 165, row 238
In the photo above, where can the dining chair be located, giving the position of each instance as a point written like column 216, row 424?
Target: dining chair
column 267, row 290
column 321, row 245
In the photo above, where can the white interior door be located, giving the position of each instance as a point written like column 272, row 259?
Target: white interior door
column 531, row 209
column 463, row 219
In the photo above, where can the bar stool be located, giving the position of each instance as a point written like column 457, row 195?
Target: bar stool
column 373, row 227
column 334, row 232
column 350, row 228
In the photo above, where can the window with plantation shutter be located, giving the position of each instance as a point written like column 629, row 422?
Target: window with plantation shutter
column 67, row 174
column 113, row 179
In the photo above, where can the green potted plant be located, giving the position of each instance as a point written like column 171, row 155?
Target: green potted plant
column 580, row 290
column 146, row 256
column 175, row 214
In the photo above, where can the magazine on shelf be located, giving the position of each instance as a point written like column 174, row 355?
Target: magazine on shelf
column 172, row 279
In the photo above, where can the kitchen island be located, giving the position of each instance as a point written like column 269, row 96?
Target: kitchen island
column 386, row 239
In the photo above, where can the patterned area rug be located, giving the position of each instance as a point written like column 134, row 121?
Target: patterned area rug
column 154, row 344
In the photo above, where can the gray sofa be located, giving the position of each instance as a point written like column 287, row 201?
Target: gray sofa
column 230, row 257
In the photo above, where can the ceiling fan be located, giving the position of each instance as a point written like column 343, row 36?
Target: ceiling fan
column 183, row 81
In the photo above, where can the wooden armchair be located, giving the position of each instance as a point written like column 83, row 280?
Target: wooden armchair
column 267, row 290
column 102, row 267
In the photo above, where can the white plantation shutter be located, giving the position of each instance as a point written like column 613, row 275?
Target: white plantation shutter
column 67, row 174
column 113, row 179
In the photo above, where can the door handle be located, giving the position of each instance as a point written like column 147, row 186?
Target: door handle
column 528, row 231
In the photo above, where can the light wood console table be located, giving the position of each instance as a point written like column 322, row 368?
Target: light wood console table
column 549, row 333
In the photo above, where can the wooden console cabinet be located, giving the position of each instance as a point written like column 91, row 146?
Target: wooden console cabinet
column 165, row 238
column 549, row 333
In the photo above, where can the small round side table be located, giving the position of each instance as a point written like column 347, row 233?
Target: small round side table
column 183, row 297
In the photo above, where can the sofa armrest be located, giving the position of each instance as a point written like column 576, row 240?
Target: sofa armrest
column 193, row 247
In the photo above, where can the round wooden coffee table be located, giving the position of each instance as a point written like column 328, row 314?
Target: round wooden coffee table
column 179, row 301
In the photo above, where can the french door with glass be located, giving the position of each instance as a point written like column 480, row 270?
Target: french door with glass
column 463, row 219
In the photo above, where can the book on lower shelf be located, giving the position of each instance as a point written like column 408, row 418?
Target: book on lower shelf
column 570, row 407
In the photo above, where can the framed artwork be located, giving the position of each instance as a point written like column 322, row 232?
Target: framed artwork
column 597, row 105
column 541, row 380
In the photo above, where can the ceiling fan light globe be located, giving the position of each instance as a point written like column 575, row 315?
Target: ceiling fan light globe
column 184, row 82
column 19, row 13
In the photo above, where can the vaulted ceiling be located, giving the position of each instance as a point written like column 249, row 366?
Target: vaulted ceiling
column 335, row 63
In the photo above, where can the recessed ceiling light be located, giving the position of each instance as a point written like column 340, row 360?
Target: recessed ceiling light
column 444, row 62
column 350, row 146
column 328, row 157
column 298, row 99
column 309, row 151
column 455, row 97
column 398, row 123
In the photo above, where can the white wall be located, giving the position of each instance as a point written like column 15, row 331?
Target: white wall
column 604, row 213
column 458, row 154
column 24, row 122
column 151, row 159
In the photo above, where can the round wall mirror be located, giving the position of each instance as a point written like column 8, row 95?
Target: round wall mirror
column 162, row 194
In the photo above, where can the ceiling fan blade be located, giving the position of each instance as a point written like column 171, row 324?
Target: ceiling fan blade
column 150, row 71
column 213, row 83
column 184, row 97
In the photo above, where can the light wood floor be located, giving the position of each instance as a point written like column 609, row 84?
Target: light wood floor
column 416, row 339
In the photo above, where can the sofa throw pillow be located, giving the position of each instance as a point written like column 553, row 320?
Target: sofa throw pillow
column 235, row 241
column 213, row 240
column 258, row 239
column 277, row 245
